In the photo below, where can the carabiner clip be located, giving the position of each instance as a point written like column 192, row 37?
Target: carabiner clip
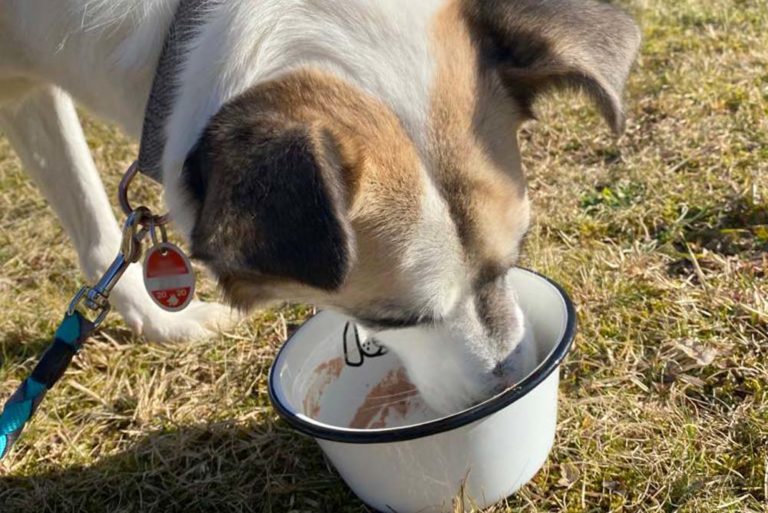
column 122, row 195
column 96, row 298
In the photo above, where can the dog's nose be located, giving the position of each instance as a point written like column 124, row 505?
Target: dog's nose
column 503, row 379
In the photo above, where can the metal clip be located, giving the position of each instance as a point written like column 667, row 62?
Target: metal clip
column 96, row 298
column 122, row 195
column 153, row 228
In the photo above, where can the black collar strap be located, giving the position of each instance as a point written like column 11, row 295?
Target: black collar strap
column 190, row 14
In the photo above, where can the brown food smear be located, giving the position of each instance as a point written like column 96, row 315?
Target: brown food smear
column 393, row 394
column 325, row 374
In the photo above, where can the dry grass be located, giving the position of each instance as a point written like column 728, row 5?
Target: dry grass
column 662, row 239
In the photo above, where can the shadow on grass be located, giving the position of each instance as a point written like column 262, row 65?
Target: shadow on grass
column 223, row 467
column 17, row 347
column 736, row 226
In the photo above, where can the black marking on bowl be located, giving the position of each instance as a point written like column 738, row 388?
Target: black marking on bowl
column 355, row 352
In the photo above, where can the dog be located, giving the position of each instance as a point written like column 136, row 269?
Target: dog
column 358, row 155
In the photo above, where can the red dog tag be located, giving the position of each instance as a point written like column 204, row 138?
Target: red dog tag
column 168, row 277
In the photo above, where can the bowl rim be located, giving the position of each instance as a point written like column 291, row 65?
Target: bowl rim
column 442, row 424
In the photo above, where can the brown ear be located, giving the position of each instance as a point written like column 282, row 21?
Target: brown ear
column 537, row 45
column 271, row 199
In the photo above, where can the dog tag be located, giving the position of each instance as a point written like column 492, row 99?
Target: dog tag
column 168, row 277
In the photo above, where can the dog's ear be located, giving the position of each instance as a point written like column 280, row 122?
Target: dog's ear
column 537, row 45
column 272, row 199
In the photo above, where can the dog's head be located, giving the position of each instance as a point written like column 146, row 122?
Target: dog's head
column 310, row 188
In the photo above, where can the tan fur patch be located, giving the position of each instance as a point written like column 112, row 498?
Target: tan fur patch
column 367, row 133
column 380, row 167
column 474, row 148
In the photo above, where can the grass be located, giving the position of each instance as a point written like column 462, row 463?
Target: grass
column 661, row 238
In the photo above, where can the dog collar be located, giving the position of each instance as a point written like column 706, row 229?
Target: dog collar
column 187, row 19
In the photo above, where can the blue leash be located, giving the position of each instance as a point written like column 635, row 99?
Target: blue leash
column 75, row 328
column 71, row 335
column 20, row 408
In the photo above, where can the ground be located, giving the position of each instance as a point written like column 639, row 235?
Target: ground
column 661, row 237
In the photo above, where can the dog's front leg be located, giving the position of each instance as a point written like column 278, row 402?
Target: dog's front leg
column 46, row 133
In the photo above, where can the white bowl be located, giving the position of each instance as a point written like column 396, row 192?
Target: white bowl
column 398, row 456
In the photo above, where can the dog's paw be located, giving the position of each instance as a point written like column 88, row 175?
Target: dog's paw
column 198, row 321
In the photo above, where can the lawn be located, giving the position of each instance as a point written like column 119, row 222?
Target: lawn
column 661, row 237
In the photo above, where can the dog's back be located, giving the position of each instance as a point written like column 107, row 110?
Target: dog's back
column 102, row 53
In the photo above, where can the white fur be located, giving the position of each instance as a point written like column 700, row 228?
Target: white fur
column 46, row 134
column 103, row 54
column 452, row 368
column 116, row 43
column 434, row 259
column 373, row 44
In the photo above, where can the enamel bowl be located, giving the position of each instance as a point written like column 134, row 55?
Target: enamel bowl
column 398, row 456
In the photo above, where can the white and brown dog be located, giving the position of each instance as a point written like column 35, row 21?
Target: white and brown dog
column 354, row 154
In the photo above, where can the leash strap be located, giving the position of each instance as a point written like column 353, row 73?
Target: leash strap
column 20, row 408
column 189, row 16
column 75, row 328
column 70, row 336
